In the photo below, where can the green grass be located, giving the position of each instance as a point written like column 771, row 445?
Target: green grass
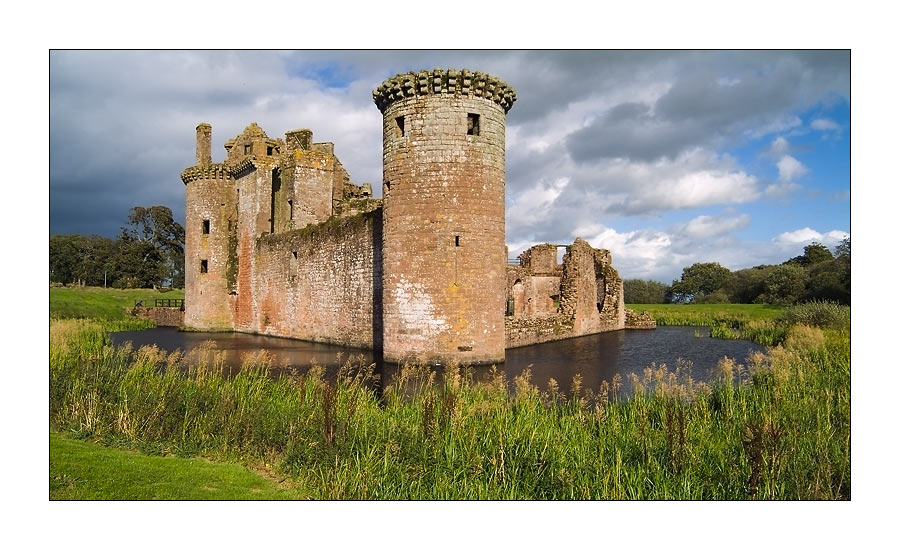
column 707, row 315
column 102, row 303
column 775, row 428
column 81, row 470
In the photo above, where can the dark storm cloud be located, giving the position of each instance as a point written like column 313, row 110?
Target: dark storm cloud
column 721, row 97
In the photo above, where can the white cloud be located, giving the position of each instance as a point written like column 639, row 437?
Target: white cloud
column 808, row 235
column 779, row 147
column 704, row 226
column 790, row 168
column 824, row 124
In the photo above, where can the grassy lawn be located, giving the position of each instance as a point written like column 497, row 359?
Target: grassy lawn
column 87, row 471
column 707, row 314
column 102, row 303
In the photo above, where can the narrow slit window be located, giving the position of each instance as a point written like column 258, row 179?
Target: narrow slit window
column 457, row 240
column 295, row 254
column 206, row 227
column 204, row 266
column 473, row 125
column 399, row 127
column 291, row 209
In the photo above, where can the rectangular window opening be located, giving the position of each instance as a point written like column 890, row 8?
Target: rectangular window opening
column 269, row 151
column 247, row 149
column 457, row 240
column 473, row 125
column 204, row 266
column 399, row 127
column 206, row 227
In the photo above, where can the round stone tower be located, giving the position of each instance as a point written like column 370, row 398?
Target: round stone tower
column 444, row 237
column 208, row 232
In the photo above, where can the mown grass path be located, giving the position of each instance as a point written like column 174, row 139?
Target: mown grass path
column 80, row 470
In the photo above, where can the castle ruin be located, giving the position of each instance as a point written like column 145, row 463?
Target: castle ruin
column 280, row 242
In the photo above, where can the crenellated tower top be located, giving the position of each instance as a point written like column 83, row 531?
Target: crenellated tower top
column 462, row 83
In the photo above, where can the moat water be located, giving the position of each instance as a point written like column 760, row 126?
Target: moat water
column 596, row 358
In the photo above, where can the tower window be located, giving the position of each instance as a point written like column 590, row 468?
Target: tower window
column 457, row 240
column 473, row 125
column 387, row 187
column 204, row 266
column 269, row 151
column 399, row 127
column 205, row 227
column 247, row 149
column 291, row 208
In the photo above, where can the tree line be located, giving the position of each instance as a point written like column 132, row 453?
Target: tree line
column 149, row 252
column 817, row 274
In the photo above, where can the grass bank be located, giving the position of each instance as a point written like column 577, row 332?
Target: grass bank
column 776, row 428
column 102, row 303
column 80, row 470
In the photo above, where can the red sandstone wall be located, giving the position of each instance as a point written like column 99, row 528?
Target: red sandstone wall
column 327, row 293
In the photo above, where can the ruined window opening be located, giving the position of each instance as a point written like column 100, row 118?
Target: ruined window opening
column 399, row 127
column 295, row 254
column 291, row 208
column 204, row 266
column 206, row 227
column 247, row 149
column 269, row 151
column 387, row 187
column 457, row 240
column 276, row 187
column 473, row 126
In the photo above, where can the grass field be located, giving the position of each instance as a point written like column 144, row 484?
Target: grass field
column 707, row 315
column 102, row 303
column 80, row 470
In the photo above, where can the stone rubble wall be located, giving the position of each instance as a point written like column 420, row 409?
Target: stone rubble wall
column 162, row 316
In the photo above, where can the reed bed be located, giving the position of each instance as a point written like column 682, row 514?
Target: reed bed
column 777, row 427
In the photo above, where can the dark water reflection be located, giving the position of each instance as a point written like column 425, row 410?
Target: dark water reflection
column 596, row 358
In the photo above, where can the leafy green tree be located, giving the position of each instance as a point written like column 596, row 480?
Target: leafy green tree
column 784, row 285
column 638, row 291
column 812, row 254
column 155, row 225
column 137, row 263
column 746, row 285
column 698, row 281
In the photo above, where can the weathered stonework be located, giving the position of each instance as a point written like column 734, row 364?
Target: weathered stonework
column 280, row 242
column 547, row 301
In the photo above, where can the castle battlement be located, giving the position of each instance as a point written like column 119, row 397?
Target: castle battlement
column 463, row 83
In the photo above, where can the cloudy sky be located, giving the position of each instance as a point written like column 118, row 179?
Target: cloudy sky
column 665, row 158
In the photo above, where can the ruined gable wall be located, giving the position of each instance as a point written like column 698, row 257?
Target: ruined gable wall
column 328, row 292
column 589, row 290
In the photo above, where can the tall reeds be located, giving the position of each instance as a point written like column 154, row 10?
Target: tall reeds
column 774, row 428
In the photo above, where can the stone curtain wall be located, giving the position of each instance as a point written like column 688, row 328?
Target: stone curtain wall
column 320, row 283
